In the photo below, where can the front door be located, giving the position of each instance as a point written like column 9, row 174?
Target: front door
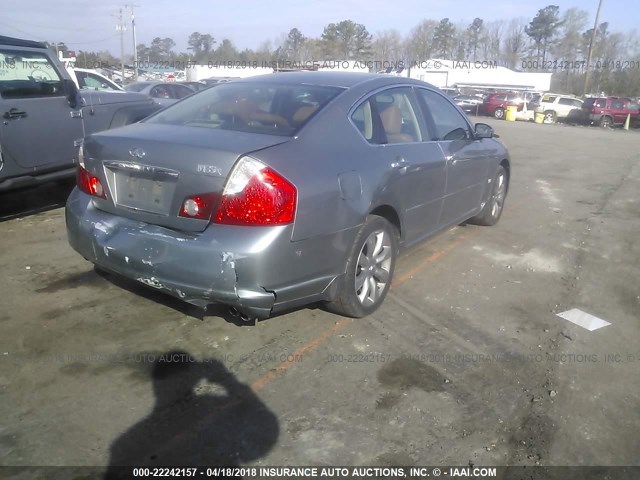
column 37, row 128
column 467, row 160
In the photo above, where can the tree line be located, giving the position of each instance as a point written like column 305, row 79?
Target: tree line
column 552, row 41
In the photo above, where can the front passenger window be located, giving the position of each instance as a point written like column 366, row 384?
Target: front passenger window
column 448, row 122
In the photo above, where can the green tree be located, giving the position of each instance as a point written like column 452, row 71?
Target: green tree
column 226, row 51
column 543, row 29
column 294, row 44
column 444, row 39
column 346, row 40
column 201, row 45
column 474, row 32
column 161, row 49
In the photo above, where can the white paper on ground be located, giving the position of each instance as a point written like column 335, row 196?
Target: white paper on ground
column 583, row 319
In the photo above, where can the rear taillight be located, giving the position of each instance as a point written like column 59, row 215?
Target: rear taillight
column 86, row 182
column 256, row 195
column 89, row 184
column 198, row 206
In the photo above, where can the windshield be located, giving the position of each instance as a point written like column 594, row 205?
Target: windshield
column 250, row 107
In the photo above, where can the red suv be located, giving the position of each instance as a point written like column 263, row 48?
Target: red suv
column 495, row 104
column 609, row 111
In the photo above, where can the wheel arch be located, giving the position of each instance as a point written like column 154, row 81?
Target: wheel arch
column 391, row 215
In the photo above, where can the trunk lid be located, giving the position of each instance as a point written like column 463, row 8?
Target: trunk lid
column 148, row 170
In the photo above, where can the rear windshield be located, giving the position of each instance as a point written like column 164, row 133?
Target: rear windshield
column 136, row 87
column 250, row 107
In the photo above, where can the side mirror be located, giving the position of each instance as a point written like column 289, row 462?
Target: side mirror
column 71, row 91
column 482, row 130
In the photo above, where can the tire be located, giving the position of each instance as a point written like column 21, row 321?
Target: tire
column 550, row 117
column 498, row 113
column 606, row 122
column 369, row 269
column 492, row 210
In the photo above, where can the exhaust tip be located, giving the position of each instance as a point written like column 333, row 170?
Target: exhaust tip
column 235, row 313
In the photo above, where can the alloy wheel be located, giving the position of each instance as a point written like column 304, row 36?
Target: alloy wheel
column 499, row 193
column 373, row 268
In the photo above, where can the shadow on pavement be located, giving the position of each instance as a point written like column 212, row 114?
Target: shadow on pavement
column 30, row 201
column 202, row 417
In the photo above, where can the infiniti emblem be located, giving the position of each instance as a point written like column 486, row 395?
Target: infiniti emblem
column 137, row 152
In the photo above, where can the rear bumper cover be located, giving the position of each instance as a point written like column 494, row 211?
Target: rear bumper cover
column 243, row 267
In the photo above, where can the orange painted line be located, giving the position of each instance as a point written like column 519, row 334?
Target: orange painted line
column 312, row 344
column 274, row 373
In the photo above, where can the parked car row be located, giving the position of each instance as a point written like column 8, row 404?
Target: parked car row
column 602, row 111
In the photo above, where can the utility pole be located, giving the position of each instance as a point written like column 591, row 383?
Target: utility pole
column 593, row 40
column 135, row 43
column 121, row 27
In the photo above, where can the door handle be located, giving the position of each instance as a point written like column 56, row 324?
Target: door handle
column 451, row 159
column 14, row 113
column 400, row 164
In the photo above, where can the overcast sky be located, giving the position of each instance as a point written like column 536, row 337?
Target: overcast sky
column 91, row 26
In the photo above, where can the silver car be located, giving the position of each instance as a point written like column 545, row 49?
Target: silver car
column 276, row 191
column 164, row 93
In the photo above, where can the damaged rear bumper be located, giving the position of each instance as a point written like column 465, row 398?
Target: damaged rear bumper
column 198, row 268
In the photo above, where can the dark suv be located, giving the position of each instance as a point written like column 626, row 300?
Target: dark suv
column 495, row 104
column 45, row 117
column 609, row 111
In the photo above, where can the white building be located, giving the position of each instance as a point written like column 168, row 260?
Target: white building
column 241, row 70
column 461, row 74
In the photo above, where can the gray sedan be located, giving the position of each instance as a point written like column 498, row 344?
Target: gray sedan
column 276, row 191
column 164, row 93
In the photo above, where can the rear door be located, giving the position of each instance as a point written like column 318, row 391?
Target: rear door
column 467, row 158
column 565, row 106
column 391, row 121
column 618, row 110
column 38, row 127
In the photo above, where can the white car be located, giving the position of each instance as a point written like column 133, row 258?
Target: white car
column 558, row 107
column 92, row 80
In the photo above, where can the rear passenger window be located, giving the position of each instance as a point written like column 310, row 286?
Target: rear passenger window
column 398, row 115
column 391, row 116
column 566, row 101
column 181, row 91
column 448, row 122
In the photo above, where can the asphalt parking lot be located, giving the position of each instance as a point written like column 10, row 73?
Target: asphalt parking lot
column 466, row 360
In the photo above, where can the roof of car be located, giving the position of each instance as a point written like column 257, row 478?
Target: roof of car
column 19, row 42
column 333, row 79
